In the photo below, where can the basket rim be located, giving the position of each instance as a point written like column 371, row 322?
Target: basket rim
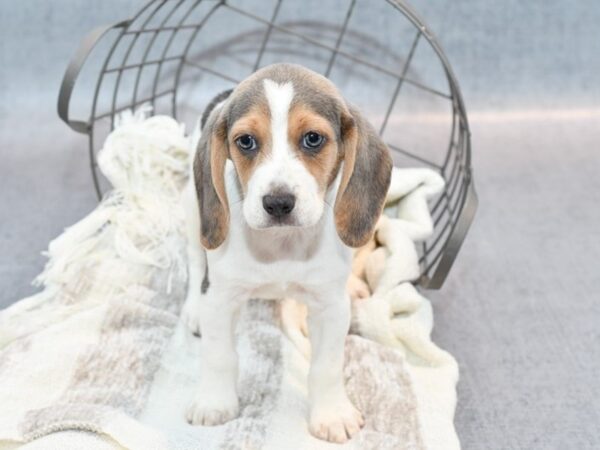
column 433, row 272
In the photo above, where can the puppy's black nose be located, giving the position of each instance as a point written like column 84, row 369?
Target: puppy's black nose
column 279, row 205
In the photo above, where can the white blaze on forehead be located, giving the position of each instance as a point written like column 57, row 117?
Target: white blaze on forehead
column 279, row 97
column 282, row 168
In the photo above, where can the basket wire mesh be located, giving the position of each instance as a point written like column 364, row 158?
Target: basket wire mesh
column 177, row 54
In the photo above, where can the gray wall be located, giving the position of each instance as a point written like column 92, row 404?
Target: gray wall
column 506, row 54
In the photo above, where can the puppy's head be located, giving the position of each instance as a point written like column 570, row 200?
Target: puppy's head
column 289, row 132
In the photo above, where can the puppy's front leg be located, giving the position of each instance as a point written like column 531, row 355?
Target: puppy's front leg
column 216, row 399
column 332, row 416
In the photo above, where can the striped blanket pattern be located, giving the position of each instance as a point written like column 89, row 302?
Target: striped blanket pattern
column 101, row 349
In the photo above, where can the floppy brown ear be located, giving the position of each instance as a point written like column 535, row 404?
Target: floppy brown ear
column 365, row 180
column 209, row 177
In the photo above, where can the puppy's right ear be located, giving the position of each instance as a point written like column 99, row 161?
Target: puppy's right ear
column 209, row 177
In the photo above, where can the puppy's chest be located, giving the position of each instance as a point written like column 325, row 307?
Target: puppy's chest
column 288, row 271
column 289, row 279
column 273, row 269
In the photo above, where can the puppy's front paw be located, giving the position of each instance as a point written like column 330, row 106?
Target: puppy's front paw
column 211, row 409
column 335, row 421
column 190, row 314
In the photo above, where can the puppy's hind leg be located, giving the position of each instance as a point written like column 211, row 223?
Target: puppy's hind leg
column 293, row 324
column 197, row 278
column 197, row 266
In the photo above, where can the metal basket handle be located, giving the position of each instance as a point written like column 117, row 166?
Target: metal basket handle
column 455, row 240
column 72, row 72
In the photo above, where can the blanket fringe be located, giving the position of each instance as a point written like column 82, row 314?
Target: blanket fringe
column 146, row 160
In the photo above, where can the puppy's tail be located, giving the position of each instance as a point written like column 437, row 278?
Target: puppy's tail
column 220, row 98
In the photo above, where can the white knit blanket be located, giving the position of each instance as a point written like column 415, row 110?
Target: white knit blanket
column 101, row 349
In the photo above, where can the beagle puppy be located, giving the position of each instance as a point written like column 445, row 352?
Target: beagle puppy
column 287, row 179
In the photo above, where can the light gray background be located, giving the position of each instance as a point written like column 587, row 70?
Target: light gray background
column 521, row 309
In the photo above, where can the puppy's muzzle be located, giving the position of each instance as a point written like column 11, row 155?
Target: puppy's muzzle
column 279, row 205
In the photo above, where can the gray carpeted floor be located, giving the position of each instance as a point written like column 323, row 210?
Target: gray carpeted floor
column 521, row 308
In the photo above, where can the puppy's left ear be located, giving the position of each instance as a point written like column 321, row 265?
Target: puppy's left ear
column 365, row 180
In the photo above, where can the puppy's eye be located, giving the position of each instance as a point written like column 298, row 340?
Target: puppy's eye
column 312, row 141
column 246, row 143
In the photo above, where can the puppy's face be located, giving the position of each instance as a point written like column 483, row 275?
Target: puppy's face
column 288, row 131
column 286, row 154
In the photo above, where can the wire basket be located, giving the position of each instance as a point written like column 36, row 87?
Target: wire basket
column 177, row 54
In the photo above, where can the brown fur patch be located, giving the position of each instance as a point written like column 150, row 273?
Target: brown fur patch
column 255, row 122
column 323, row 164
